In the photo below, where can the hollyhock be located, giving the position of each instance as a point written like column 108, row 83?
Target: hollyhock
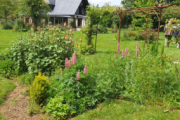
column 78, row 76
column 85, row 70
column 123, row 55
column 118, row 48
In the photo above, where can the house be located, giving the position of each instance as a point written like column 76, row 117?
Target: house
column 68, row 11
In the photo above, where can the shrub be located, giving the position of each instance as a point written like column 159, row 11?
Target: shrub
column 7, row 68
column 22, row 26
column 58, row 109
column 42, row 50
column 102, row 29
column 87, row 49
column 39, row 88
column 8, row 26
column 151, row 35
column 26, row 79
column 73, row 24
column 76, row 96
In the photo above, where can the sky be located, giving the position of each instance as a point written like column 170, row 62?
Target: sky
column 102, row 2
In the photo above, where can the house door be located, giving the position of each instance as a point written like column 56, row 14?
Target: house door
column 80, row 22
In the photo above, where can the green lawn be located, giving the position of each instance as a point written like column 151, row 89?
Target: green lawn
column 124, row 110
column 115, row 110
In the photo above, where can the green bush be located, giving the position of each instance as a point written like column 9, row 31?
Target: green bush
column 26, row 79
column 22, row 26
column 87, row 49
column 7, row 26
column 7, row 68
column 58, row 109
column 73, row 24
column 42, row 50
column 102, row 29
column 39, row 88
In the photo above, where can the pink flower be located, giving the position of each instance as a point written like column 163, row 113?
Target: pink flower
column 137, row 50
column 118, row 48
column 67, row 63
column 129, row 54
column 74, row 59
column 85, row 70
column 123, row 55
column 78, row 76
column 126, row 51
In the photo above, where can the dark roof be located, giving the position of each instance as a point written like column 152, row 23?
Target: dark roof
column 65, row 7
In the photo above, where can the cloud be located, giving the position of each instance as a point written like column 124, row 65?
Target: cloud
column 102, row 2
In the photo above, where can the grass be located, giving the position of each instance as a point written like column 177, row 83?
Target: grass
column 6, row 86
column 6, row 37
column 124, row 110
column 106, row 47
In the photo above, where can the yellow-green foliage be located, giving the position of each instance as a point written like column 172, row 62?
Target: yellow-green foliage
column 39, row 88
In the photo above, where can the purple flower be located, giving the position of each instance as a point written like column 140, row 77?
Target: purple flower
column 118, row 48
column 123, row 55
column 78, row 76
column 126, row 51
column 85, row 70
column 74, row 58
column 137, row 50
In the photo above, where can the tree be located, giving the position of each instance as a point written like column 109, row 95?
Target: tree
column 128, row 3
column 7, row 8
column 36, row 9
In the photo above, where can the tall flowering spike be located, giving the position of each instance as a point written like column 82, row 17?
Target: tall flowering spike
column 85, row 70
column 137, row 50
column 129, row 54
column 126, row 51
column 77, row 44
column 118, row 48
column 67, row 63
column 81, row 38
column 123, row 55
column 74, row 58
column 78, row 76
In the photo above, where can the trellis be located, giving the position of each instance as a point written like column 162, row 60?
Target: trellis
column 145, row 12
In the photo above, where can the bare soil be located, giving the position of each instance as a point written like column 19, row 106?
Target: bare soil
column 16, row 105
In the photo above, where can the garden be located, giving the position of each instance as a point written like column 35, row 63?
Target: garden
column 55, row 72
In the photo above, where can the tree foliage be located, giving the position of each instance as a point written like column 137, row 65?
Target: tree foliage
column 8, row 8
column 36, row 9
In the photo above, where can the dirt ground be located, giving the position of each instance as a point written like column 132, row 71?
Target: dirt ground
column 16, row 104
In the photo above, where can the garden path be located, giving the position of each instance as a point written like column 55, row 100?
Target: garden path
column 16, row 104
